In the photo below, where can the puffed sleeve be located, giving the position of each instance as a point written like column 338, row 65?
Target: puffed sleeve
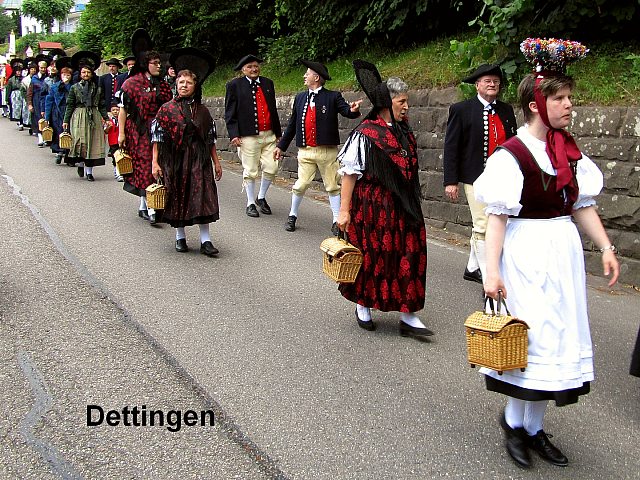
column 157, row 133
column 590, row 182
column 500, row 185
column 352, row 157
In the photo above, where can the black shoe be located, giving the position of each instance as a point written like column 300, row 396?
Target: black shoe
column 81, row 172
column 153, row 220
column 252, row 211
column 407, row 330
column 181, row 245
column 334, row 229
column 208, row 249
column 541, row 444
column 516, row 443
column 475, row 276
column 90, row 177
column 264, row 206
column 370, row 326
column 290, row 226
column 58, row 159
column 143, row 214
column 42, row 145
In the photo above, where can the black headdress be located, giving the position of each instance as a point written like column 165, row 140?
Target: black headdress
column 56, row 53
column 63, row 62
column 85, row 58
column 141, row 43
column 317, row 67
column 15, row 63
column 198, row 61
column 41, row 57
column 372, row 85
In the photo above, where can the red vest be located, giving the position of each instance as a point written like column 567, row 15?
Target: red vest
column 264, row 117
column 310, row 131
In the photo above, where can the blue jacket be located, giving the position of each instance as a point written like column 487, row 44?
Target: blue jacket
column 328, row 105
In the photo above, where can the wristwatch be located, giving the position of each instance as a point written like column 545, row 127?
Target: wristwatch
column 609, row 247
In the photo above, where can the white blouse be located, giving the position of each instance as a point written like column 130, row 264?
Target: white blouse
column 351, row 161
column 500, row 185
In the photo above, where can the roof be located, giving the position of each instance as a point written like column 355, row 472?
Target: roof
column 49, row 45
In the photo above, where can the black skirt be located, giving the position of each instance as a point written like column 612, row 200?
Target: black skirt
column 635, row 359
column 561, row 397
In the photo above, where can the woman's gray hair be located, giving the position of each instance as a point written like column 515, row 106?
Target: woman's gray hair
column 396, row 86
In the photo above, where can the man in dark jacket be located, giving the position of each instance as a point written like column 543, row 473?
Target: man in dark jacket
column 314, row 122
column 474, row 129
column 254, row 128
column 109, row 81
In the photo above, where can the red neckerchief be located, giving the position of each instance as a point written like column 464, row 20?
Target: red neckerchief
column 561, row 147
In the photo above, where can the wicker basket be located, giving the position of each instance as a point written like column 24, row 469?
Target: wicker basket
column 65, row 140
column 123, row 161
column 47, row 134
column 156, row 195
column 499, row 342
column 341, row 261
column 41, row 124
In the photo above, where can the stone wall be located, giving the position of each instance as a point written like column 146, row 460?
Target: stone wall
column 609, row 135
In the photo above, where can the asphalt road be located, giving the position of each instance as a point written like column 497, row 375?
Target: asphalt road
column 96, row 307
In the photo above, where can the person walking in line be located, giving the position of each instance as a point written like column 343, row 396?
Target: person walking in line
column 535, row 186
column 254, row 128
column 314, row 123
column 142, row 94
column 85, row 116
column 56, row 106
column 380, row 207
column 474, row 129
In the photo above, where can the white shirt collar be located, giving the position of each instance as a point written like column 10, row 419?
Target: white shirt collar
column 249, row 80
column 485, row 104
column 315, row 90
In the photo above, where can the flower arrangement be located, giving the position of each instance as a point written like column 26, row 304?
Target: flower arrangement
column 552, row 53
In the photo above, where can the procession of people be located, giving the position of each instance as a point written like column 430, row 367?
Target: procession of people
column 524, row 187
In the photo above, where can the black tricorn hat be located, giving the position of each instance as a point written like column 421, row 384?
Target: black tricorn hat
column 63, row 62
column 190, row 58
column 483, row 70
column 317, row 67
column 41, row 57
column 56, row 53
column 114, row 61
column 372, row 85
column 246, row 59
column 85, row 58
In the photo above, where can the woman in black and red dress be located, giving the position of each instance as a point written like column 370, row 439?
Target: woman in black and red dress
column 141, row 96
column 184, row 153
column 380, row 207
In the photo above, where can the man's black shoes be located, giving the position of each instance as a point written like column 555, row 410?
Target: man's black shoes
column 264, row 206
column 252, row 211
column 290, row 226
column 475, row 276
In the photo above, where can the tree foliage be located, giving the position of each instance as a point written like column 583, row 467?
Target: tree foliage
column 46, row 11
column 7, row 23
column 67, row 40
column 226, row 29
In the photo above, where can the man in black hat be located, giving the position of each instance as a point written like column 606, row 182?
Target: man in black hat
column 314, row 122
column 109, row 81
column 254, row 128
column 475, row 128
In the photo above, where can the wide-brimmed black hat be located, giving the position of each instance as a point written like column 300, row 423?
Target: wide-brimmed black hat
column 16, row 61
column 63, row 62
column 317, row 67
column 246, row 59
column 56, row 53
column 190, row 58
column 372, row 85
column 41, row 57
column 85, row 58
column 114, row 61
column 126, row 59
column 483, row 70
column 29, row 61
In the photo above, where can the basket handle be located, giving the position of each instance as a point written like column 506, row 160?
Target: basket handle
column 342, row 235
column 492, row 306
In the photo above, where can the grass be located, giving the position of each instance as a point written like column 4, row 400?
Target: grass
column 605, row 77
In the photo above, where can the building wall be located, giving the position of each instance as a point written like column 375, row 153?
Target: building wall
column 608, row 135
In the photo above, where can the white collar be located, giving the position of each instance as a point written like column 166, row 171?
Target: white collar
column 315, row 90
column 484, row 103
column 249, row 80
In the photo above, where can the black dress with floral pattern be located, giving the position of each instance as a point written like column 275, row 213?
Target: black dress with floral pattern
column 387, row 224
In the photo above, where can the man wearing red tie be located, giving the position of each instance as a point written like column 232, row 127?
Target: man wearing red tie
column 474, row 129
column 314, row 123
column 254, row 128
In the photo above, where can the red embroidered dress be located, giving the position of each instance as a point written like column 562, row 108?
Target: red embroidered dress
column 387, row 223
column 141, row 99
